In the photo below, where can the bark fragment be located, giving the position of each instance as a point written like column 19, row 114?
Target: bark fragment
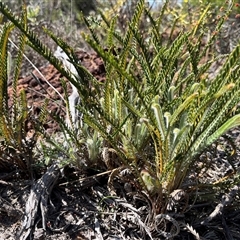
column 37, row 201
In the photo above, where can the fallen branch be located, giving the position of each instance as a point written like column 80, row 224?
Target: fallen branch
column 226, row 199
column 38, row 199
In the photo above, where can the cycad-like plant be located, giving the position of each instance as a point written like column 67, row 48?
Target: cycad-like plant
column 16, row 144
column 163, row 93
column 158, row 109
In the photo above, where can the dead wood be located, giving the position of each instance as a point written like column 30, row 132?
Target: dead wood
column 37, row 201
column 226, row 199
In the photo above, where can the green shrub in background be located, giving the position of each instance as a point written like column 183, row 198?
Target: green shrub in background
column 158, row 109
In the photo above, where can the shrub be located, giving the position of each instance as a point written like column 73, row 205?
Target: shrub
column 162, row 94
column 158, row 109
column 15, row 115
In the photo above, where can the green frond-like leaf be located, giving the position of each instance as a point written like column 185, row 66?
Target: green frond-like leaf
column 138, row 12
column 128, row 36
column 94, row 35
column 144, row 48
column 201, row 19
column 229, row 124
column 7, row 28
column 108, row 98
column 180, row 135
column 211, row 127
column 103, row 132
column 223, row 77
column 17, row 70
column 182, row 107
column 145, row 67
column 104, row 19
column 141, row 135
column 44, row 111
column 135, row 111
column 110, row 33
column 174, row 51
column 160, row 120
column 21, row 118
column 117, row 105
column 161, row 15
column 157, row 39
column 4, row 111
column 219, row 25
